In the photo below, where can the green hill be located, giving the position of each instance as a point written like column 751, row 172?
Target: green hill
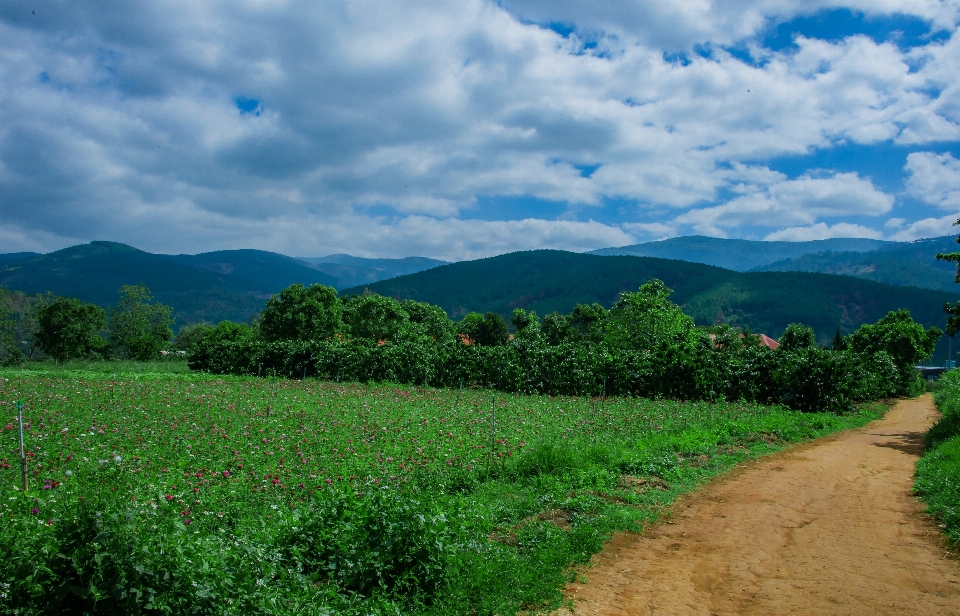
column 547, row 280
column 350, row 271
column 93, row 272
column 738, row 255
column 910, row 263
column 266, row 271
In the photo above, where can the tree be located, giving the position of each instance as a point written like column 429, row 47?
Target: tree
column 556, row 328
column 429, row 320
column 798, row 336
column 900, row 337
column 141, row 329
column 647, row 319
column 953, row 312
column 302, row 313
column 374, row 317
column 486, row 330
column 190, row 336
column 69, row 328
column 589, row 321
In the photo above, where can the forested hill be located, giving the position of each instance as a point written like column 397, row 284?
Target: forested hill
column 739, row 255
column 912, row 263
column 547, row 280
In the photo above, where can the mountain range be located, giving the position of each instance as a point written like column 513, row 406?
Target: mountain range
column 825, row 284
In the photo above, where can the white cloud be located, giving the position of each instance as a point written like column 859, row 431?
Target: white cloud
column 928, row 227
column 793, row 202
column 934, row 179
column 822, row 231
column 122, row 124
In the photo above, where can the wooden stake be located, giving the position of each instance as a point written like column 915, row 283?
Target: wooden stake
column 23, row 454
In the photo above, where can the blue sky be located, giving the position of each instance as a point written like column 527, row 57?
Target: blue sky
column 467, row 128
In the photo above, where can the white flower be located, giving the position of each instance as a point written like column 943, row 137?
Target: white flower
column 117, row 459
column 69, row 473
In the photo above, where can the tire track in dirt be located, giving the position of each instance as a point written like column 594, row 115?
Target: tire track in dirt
column 828, row 527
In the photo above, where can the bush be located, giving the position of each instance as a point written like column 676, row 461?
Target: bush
column 938, row 471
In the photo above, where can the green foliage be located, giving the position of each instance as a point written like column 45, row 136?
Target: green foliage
column 938, row 471
column 905, row 341
column 302, row 313
column 486, row 330
column 191, row 494
column 69, row 328
column 18, row 325
column 139, row 328
column 374, row 317
column 797, row 336
column 650, row 348
column 190, row 336
column 428, row 320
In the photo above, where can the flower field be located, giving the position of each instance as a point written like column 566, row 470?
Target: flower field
column 187, row 493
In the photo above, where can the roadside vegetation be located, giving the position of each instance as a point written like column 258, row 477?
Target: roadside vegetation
column 938, row 471
column 191, row 493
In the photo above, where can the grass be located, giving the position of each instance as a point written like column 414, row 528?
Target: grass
column 938, row 471
column 189, row 493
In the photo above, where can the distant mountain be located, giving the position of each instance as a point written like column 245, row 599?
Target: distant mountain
column 266, row 271
column 349, row 271
column 766, row 302
column 737, row 255
column 17, row 256
column 908, row 263
column 94, row 272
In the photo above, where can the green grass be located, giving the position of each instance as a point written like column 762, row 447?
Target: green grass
column 197, row 494
column 938, row 471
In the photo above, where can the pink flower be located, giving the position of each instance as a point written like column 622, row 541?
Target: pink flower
column 329, row 481
column 35, row 511
column 169, row 497
column 226, row 473
column 187, row 522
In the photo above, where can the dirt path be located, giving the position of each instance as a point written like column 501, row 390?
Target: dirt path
column 829, row 527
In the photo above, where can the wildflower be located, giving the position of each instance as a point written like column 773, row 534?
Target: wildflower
column 187, row 522
column 226, row 473
column 117, row 459
column 35, row 511
column 302, row 486
column 329, row 481
column 169, row 497
column 69, row 473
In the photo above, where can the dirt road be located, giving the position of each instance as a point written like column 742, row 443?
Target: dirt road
column 829, row 527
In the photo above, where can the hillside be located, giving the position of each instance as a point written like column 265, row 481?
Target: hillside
column 94, row 272
column 765, row 302
column 266, row 271
column 350, row 271
column 912, row 263
column 737, row 255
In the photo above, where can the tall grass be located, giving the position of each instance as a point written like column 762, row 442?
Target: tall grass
column 938, row 471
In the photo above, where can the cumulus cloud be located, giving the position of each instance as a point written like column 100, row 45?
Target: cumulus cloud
column 934, row 179
column 795, row 202
column 928, row 227
column 295, row 126
column 822, row 231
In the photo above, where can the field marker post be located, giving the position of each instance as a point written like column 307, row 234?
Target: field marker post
column 23, row 455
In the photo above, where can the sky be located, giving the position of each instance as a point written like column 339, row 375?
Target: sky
column 460, row 129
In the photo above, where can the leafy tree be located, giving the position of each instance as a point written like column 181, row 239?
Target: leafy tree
column 839, row 343
column 69, row 328
column 141, row 329
column 190, row 336
column 589, row 321
column 556, row 328
column 486, row 330
column 953, row 312
column 900, row 337
column 302, row 313
column 429, row 320
column 374, row 317
column 647, row 319
column 797, row 336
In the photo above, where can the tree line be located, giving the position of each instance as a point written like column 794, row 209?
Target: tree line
column 65, row 328
column 644, row 345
